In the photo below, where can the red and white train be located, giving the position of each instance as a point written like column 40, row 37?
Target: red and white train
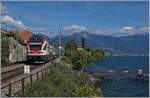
column 38, row 49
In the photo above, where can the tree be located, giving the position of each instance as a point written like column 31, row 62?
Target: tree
column 82, row 57
column 83, row 42
column 98, row 54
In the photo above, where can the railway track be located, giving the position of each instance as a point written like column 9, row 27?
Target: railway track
column 16, row 70
column 17, row 81
column 12, row 64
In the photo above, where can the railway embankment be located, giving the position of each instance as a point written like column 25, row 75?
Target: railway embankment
column 19, row 82
column 62, row 80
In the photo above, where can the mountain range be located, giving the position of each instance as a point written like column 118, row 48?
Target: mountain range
column 135, row 45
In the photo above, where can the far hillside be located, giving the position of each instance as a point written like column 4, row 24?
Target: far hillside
column 135, row 45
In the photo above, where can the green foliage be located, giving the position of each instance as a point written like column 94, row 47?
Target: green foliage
column 98, row 54
column 66, row 61
column 61, row 81
column 86, row 90
column 5, row 50
column 70, row 52
column 82, row 57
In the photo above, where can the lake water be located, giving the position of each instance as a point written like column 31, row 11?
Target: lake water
column 123, row 86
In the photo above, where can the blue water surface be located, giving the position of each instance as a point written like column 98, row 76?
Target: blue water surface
column 123, row 86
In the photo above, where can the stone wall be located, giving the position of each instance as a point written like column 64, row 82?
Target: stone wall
column 17, row 51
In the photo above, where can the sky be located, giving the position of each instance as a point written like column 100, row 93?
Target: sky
column 111, row 18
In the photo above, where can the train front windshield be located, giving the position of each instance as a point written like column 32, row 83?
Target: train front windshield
column 35, row 47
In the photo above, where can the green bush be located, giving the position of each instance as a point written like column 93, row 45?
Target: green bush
column 86, row 90
column 83, row 57
column 98, row 54
column 62, row 81
column 66, row 61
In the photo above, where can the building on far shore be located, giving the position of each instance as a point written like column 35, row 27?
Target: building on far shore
column 79, row 48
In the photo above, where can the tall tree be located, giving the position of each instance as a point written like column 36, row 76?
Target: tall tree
column 83, row 42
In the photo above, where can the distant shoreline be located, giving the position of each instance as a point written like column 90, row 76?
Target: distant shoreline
column 126, row 55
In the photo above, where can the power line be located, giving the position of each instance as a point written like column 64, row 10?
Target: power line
column 60, row 31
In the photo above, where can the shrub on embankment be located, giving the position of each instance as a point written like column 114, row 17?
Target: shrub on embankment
column 62, row 81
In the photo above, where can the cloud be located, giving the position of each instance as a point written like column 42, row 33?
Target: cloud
column 38, row 29
column 145, row 29
column 101, row 32
column 15, row 23
column 42, row 30
column 75, row 28
column 134, row 31
column 127, row 29
column 4, row 9
column 115, row 32
column 124, row 31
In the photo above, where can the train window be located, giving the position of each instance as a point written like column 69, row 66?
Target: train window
column 44, row 47
column 36, row 39
column 35, row 47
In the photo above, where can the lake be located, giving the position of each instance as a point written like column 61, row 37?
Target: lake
column 123, row 86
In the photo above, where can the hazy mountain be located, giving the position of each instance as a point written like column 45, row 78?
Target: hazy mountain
column 129, row 45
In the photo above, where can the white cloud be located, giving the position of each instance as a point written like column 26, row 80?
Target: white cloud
column 75, row 28
column 145, row 29
column 127, row 29
column 115, row 32
column 124, row 31
column 133, row 31
column 4, row 9
column 38, row 29
column 16, row 23
column 103, row 32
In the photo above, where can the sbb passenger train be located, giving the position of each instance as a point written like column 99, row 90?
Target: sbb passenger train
column 38, row 49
